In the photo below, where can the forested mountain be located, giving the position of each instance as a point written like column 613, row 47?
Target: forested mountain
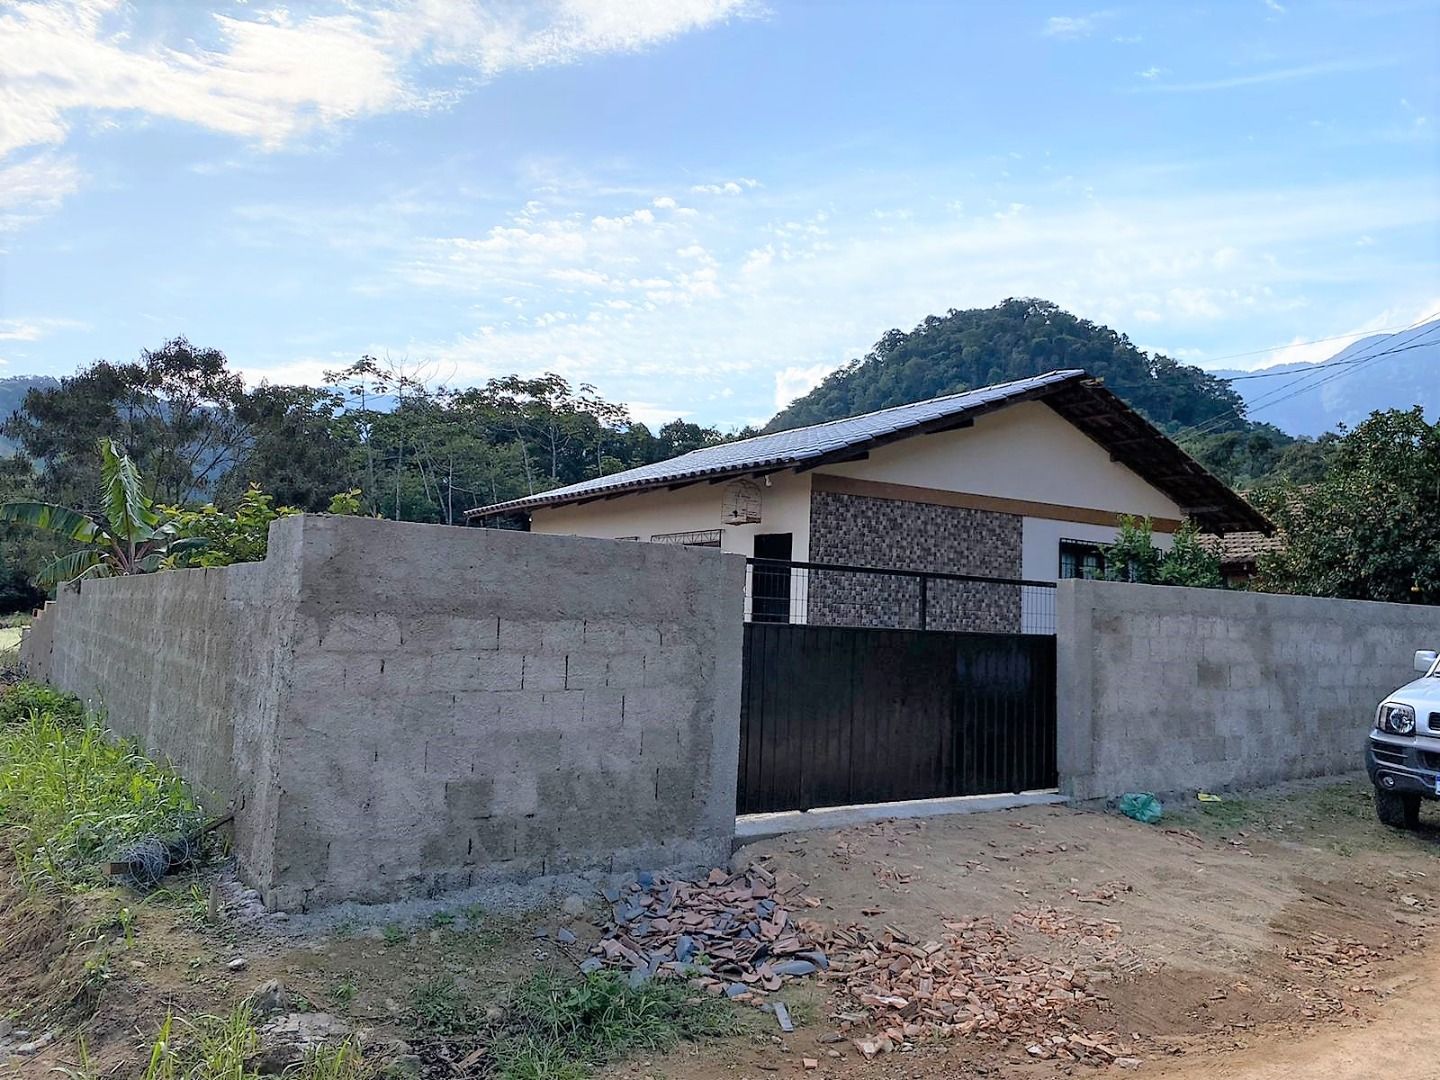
column 962, row 350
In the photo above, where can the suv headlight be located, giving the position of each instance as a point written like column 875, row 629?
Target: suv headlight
column 1396, row 718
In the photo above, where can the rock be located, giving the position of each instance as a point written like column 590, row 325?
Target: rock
column 267, row 999
column 287, row 1040
column 6, row 1026
column 564, row 937
column 574, row 905
column 1128, row 1063
column 810, row 1063
column 405, row 1065
column 237, row 964
column 26, row 1049
column 593, row 964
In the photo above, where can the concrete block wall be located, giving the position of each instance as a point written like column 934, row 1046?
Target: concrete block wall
column 399, row 710
column 1164, row 689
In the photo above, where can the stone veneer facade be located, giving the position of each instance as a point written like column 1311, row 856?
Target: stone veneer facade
column 862, row 531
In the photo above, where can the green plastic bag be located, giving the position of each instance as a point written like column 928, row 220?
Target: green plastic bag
column 1142, row 806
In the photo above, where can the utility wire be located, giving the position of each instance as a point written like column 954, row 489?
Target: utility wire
column 1317, row 377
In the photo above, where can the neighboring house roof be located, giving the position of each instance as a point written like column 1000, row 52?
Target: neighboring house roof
column 1242, row 550
column 1080, row 399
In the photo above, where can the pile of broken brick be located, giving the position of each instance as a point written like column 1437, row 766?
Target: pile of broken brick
column 971, row 981
column 732, row 934
column 736, row 934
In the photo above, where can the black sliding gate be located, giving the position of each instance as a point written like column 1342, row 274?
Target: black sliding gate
column 839, row 715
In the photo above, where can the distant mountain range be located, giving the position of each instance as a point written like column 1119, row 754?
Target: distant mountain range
column 1384, row 371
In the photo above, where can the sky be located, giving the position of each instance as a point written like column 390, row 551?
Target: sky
column 701, row 207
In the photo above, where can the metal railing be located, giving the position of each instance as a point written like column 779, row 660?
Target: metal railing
column 830, row 594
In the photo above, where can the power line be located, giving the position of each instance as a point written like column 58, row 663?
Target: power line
column 1302, row 344
column 1324, row 373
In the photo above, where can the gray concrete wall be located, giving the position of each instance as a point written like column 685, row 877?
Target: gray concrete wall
column 399, row 710
column 1163, row 689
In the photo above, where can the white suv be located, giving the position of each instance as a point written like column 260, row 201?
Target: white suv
column 1403, row 757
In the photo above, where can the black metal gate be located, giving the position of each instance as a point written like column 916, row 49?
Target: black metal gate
column 839, row 715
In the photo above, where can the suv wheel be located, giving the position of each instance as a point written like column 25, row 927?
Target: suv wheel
column 1397, row 810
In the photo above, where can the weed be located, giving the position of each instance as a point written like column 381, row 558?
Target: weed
column 440, row 1007
column 343, row 993
column 74, row 794
column 394, row 934
column 558, row 1029
column 441, row 918
column 217, row 1048
column 26, row 700
column 344, row 930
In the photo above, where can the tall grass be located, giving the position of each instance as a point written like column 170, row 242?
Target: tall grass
column 221, row 1047
column 71, row 794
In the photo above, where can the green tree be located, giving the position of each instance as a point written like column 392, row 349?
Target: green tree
column 173, row 412
column 1370, row 529
column 1133, row 557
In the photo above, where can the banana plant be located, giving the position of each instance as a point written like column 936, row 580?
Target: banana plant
column 129, row 537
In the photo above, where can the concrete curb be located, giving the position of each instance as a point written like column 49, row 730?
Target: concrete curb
column 752, row 827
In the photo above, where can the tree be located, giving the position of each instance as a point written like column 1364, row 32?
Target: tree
column 174, row 412
column 1133, row 557
column 1370, row 529
column 128, row 538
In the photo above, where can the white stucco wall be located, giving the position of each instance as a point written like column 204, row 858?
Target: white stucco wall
column 1024, row 452
column 784, row 507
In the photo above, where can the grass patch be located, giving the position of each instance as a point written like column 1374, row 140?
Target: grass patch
column 554, row 1027
column 71, row 794
column 218, row 1048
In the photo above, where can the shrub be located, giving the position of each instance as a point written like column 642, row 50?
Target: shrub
column 27, row 699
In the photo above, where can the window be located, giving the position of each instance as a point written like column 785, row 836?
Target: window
column 1080, row 559
column 701, row 538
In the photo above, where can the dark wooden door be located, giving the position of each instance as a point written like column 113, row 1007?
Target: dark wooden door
column 832, row 716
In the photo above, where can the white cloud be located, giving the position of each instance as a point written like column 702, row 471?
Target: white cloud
column 726, row 187
column 664, row 202
column 269, row 77
column 674, row 309
column 794, row 382
column 33, row 186
column 36, row 328
column 1260, row 78
column 1151, row 72
column 1310, row 351
column 1073, row 26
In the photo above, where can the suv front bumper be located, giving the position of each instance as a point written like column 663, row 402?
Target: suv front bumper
column 1410, row 766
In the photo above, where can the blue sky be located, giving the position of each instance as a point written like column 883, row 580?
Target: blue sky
column 702, row 206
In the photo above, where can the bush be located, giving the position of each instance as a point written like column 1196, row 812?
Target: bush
column 73, row 794
column 27, row 699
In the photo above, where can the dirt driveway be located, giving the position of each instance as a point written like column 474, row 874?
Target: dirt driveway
column 1282, row 935
column 1279, row 935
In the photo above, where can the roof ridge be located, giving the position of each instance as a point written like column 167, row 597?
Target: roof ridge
column 1068, row 372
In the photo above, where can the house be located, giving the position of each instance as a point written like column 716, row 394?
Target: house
column 1024, row 480
column 1240, row 552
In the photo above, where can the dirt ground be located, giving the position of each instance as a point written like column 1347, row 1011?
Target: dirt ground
column 1283, row 934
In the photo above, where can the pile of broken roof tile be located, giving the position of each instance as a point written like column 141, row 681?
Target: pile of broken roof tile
column 731, row 934
column 972, row 981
